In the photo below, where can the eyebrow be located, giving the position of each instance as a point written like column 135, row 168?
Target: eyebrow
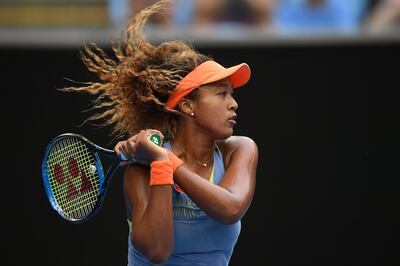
column 227, row 87
column 224, row 85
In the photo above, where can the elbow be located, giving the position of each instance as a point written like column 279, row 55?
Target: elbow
column 233, row 218
column 158, row 257
column 233, row 214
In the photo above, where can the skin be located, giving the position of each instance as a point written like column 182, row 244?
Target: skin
column 150, row 207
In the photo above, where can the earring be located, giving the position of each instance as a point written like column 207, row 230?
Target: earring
column 192, row 114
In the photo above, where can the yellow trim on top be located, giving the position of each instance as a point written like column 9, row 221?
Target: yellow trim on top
column 212, row 175
column 130, row 225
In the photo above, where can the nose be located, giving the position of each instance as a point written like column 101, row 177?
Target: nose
column 233, row 105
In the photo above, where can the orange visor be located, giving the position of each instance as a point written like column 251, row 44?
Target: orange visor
column 205, row 73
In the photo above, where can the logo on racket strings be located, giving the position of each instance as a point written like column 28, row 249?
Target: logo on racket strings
column 74, row 171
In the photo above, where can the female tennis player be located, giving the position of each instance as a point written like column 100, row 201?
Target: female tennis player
column 185, row 207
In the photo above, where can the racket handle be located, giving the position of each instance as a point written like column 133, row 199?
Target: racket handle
column 123, row 157
column 155, row 138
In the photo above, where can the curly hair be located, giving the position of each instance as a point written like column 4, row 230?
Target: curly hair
column 135, row 86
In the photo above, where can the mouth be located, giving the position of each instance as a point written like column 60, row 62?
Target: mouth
column 232, row 120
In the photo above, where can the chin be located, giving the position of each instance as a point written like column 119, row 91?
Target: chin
column 226, row 134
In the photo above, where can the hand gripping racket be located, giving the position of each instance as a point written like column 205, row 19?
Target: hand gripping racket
column 73, row 176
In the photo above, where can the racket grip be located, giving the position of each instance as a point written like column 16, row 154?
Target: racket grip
column 155, row 138
column 123, row 157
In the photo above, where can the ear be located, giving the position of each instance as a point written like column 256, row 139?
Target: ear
column 186, row 106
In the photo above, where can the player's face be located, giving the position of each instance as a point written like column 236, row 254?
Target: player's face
column 215, row 109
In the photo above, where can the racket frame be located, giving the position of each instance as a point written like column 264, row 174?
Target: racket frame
column 103, row 179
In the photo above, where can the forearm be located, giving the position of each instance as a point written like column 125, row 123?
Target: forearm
column 153, row 233
column 217, row 201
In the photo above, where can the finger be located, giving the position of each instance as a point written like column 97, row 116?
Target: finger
column 117, row 148
column 119, row 151
column 155, row 131
column 149, row 132
column 125, row 150
column 131, row 145
column 134, row 137
column 142, row 134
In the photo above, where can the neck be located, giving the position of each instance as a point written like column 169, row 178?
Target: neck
column 193, row 144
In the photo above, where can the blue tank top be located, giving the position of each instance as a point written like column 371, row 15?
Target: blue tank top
column 199, row 239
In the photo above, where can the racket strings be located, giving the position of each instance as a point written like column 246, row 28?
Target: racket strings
column 73, row 177
column 65, row 190
column 77, row 202
column 71, row 204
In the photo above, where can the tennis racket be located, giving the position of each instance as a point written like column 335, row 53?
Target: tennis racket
column 73, row 175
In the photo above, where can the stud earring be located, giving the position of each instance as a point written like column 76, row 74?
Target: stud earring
column 192, row 114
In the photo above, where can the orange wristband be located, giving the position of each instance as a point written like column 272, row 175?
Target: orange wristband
column 161, row 173
column 176, row 162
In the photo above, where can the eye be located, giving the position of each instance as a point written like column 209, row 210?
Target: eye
column 222, row 93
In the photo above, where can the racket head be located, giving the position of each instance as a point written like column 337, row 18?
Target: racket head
column 73, row 177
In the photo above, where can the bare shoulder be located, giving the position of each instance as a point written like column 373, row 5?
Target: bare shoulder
column 135, row 170
column 237, row 144
column 136, row 177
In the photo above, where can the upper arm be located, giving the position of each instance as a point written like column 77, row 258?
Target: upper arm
column 240, row 158
column 136, row 190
